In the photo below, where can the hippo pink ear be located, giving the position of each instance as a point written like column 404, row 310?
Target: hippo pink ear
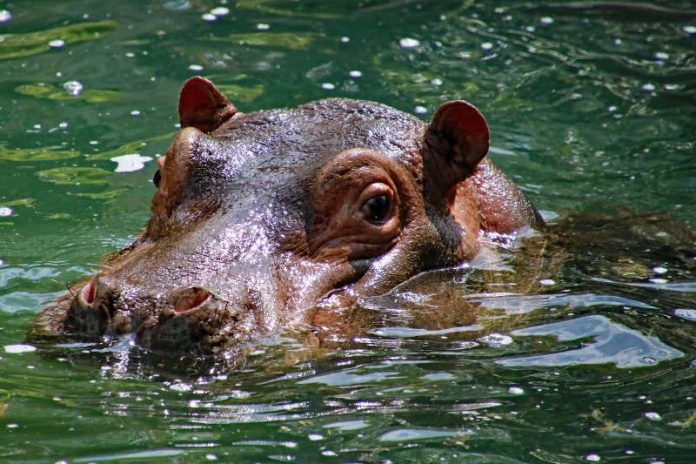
column 458, row 135
column 203, row 106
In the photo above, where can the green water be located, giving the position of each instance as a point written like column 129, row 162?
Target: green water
column 592, row 108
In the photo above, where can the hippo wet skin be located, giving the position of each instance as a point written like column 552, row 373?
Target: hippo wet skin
column 259, row 218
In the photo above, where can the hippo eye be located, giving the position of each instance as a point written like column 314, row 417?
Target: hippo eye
column 156, row 178
column 377, row 209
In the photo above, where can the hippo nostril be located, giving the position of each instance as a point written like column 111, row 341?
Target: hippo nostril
column 88, row 293
column 190, row 298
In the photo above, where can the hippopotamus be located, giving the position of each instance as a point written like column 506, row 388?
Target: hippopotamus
column 258, row 218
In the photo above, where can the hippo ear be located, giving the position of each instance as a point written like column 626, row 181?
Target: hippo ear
column 203, row 106
column 456, row 140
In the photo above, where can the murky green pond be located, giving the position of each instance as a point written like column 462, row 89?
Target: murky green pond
column 577, row 348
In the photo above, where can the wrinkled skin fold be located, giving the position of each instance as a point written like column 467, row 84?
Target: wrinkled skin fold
column 262, row 221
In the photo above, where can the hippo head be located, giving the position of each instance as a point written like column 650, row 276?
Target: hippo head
column 260, row 217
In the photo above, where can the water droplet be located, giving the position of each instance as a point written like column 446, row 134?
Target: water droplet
column 420, row 109
column 5, row 16
column 180, row 387
column 220, row 11
column 516, row 391
column 653, row 416
column 5, row 211
column 263, row 26
column 408, row 42
column 688, row 314
column 689, row 29
column 648, row 87
column 355, row 74
column 57, row 43
column 19, row 348
column 496, row 340
column 131, row 162
column 328, row 86
column 547, row 282
column 196, row 67
column 209, row 17
column 486, row 46
column 73, row 88
column 546, row 20
column 593, row 457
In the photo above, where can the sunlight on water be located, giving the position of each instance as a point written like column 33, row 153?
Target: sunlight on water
column 575, row 344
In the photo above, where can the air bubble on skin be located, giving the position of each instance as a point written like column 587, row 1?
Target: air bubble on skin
column 408, row 42
column 5, row 211
column 73, row 88
column 57, row 43
column 5, row 16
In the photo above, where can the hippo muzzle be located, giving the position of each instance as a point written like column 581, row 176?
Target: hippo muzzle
column 257, row 217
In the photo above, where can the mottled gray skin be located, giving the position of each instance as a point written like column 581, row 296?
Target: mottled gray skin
column 229, row 253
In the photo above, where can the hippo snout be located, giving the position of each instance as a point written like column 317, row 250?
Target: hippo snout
column 181, row 318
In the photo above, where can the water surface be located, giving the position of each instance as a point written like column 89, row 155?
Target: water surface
column 577, row 348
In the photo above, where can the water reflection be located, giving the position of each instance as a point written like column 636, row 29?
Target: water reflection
column 610, row 343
